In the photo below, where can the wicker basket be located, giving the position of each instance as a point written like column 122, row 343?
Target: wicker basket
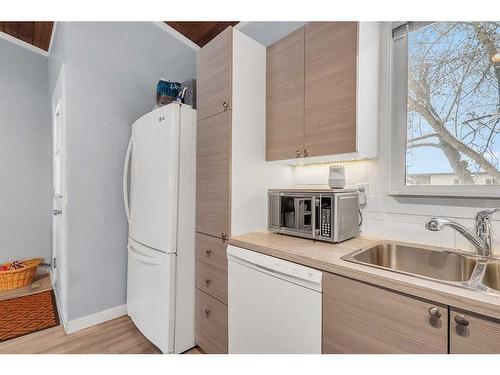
column 21, row 277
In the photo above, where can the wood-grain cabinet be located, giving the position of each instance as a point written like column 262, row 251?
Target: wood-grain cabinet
column 231, row 107
column 213, row 197
column 366, row 319
column 214, row 86
column 322, row 92
column 473, row 334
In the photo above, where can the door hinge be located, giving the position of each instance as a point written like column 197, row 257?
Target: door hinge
column 54, row 263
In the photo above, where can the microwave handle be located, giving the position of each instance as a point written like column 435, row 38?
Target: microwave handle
column 313, row 217
column 315, row 206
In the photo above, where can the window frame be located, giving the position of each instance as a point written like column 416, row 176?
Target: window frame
column 396, row 136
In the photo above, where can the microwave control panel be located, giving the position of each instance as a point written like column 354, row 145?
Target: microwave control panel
column 326, row 217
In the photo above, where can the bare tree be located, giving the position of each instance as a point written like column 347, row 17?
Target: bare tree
column 454, row 94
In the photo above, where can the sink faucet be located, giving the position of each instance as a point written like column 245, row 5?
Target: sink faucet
column 481, row 239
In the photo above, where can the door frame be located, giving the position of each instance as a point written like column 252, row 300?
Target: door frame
column 58, row 114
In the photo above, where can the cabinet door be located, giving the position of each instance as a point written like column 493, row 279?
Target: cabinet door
column 330, row 87
column 362, row 318
column 285, row 97
column 473, row 334
column 213, row 171
column 214, row 75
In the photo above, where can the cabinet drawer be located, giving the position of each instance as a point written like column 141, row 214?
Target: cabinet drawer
column 211, row 250
column 210, row 323
column 212, row 281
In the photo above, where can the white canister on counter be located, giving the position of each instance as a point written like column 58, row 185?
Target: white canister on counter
column 336, row 178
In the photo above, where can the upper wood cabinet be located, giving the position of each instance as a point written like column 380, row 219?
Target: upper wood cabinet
column 214, row 75
column 362, row 318
column 213, row 174
column 473, row 334
column 330, row 87
column 285, row 97
column 322, row 91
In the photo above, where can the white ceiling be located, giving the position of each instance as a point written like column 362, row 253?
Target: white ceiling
column 268, row 32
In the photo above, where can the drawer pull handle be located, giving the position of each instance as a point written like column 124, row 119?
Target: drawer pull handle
column 208, row 252
column 297, row 154
column 207, row 312
column 207, row 282
column 306, row 153
column 224, row 236
column 435, row 312
column 461, row 320
column 225, row 105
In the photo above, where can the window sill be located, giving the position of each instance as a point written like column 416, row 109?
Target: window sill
column 479, row 192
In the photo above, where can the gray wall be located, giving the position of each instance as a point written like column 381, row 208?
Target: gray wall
column 24, row 154
column 111, row 73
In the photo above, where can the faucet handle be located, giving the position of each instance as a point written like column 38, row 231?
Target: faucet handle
column 486, row 214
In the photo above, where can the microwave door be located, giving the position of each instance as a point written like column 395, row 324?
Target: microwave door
column 304, row 215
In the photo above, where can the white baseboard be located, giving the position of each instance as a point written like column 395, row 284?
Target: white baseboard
column 94, row 319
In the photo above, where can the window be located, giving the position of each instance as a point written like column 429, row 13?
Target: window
column 446, row 107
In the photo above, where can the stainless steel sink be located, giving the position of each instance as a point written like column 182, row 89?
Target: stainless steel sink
column 435, row 264
column 491, row 277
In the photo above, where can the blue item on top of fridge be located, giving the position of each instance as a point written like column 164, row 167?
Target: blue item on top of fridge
column 166, row 91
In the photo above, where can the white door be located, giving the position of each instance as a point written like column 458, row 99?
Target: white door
column 151, row 292
column 151, row 198
column 58, row 205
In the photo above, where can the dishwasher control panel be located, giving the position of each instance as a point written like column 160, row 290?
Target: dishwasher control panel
column 277, row 267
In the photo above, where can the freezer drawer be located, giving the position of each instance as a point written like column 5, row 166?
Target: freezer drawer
column 274, row 306
column 150, row 293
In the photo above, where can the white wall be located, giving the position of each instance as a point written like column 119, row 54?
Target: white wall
column 24, row 154
column 268, row 32
column 111, row 71
column 400, row 218
column 251, row 175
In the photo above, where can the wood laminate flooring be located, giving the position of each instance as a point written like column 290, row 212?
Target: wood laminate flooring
column 118, row 336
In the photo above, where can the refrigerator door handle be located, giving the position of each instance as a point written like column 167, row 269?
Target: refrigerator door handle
column 125, row 179
column 143, row 258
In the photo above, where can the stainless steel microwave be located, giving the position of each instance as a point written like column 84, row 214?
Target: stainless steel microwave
column 326, row 215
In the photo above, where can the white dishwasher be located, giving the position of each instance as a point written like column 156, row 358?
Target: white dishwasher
column 274, row 306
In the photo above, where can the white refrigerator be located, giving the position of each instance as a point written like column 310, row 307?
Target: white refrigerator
column 159, row 195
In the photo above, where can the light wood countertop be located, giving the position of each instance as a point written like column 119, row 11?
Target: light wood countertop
column 327, row 257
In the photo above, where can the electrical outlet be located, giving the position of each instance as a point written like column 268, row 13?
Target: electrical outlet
column 363, row 194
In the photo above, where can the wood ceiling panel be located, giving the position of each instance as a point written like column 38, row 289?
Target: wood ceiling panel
column 26, row 31
column 11, row 28
column 200, row 32
column 39, row 33
column 42, row 34
column 35, row 33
